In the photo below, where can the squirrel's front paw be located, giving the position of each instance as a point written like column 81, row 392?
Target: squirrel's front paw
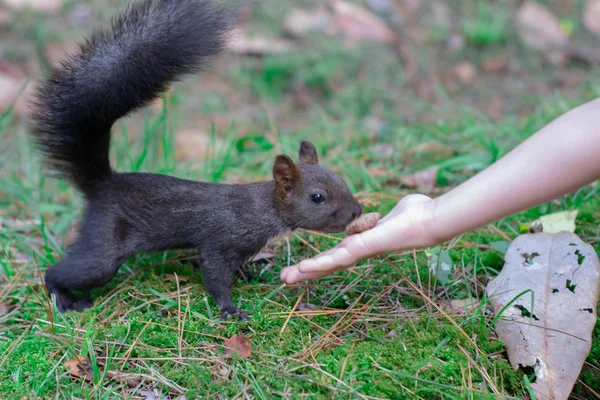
column 241, row 314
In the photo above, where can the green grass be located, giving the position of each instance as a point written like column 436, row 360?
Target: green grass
column 373, row 335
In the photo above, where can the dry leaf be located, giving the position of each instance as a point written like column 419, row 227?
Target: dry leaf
column 131, row 380
column 563, row 221
column 173, row 278
column 358, row 24
column 240, row 343
column 194, row 146
column 221, row 372
column 363, row 223
column 306, row 307
column 540, row 29
column 460, row 307
column 6, row 18
column 300, row 22
column 591, row 16
column 549, row 331
column 378, row 171
column 368, row 200
column 80, row 367
column 494, row 64
column 242, row 43
column 493, row 108
column 151, row 394
column 423, row 180
column 423, row 88
column 6, row 308
column 431, row 147
column 9, row 90
column 464, row 72
column 48, row 6
column 13, row 87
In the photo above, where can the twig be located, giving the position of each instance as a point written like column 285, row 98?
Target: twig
column 292, row 311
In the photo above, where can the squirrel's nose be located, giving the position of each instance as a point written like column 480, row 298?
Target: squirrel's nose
column 357, row 211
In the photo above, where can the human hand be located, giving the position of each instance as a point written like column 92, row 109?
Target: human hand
column 405, row 227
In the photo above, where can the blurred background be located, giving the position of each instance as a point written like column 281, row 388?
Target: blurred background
column 398, row 96
column 383, row 86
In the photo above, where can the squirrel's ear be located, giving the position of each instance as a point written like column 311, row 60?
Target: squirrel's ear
column 308, row 153
column 285, row 173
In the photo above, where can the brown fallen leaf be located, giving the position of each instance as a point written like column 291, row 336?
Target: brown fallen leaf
column 80, row 367
column 131, row 380
column 194, row 146
column 493, row 108
column 423, row 87
column 378, row 171
column 464, row 73
column 6, row 17
column 392, row 334
column 423, row 180
column 173, row 278
column 300, row 21
column 540, row 29
column 9, row 90
column 591, row 16
column 459, row 307
column 47, row 6
column 242, row 43
column 367, row 199
column 432, row 146
column 363, row 223
column 306, row 307
column 550, row 327
column 356, row 24
column 240, row 343
column 221, row 372
column 6, row 308
column 494, row 64
column 14, row 88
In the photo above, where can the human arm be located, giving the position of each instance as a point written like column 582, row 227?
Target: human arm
column 559, row 158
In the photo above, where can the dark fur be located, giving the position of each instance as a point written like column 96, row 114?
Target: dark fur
column 152, row 44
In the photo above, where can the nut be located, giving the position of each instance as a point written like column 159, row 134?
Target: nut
column 363, row 223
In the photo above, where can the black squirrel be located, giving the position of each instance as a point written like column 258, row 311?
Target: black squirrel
column 152, row 44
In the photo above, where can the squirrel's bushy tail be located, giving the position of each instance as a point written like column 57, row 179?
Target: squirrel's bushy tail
column 150, row 45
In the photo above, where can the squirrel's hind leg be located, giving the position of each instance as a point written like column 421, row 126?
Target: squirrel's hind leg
column 81, row 270
column 65, row 299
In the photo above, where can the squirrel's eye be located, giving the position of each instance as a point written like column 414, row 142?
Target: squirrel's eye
column 317, row 198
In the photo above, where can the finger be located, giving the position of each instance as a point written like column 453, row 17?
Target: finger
column 347, row 253
column 291, row 275
column 319, row 256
